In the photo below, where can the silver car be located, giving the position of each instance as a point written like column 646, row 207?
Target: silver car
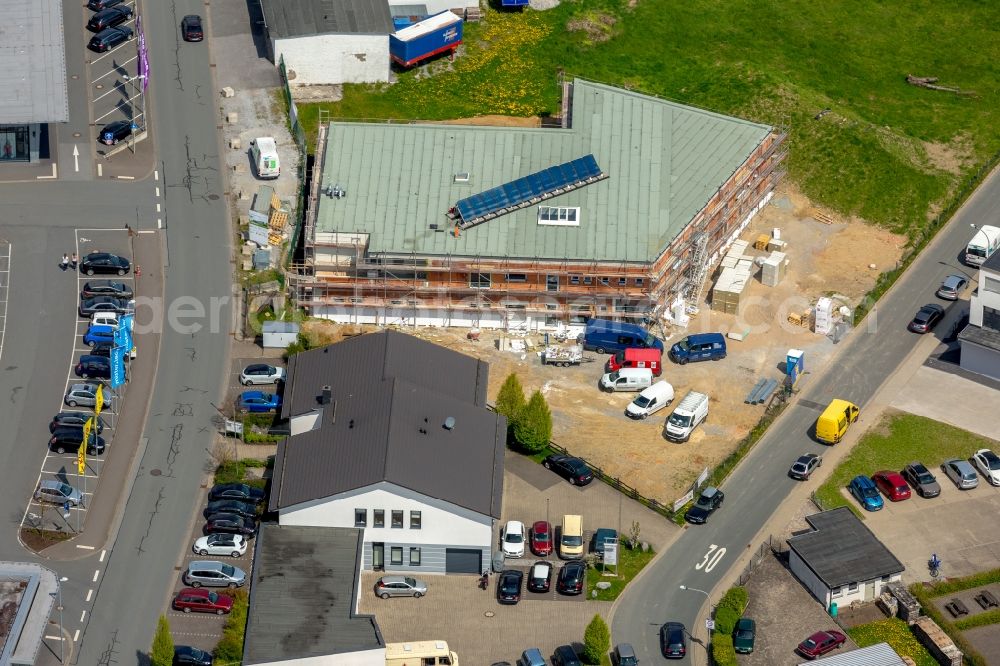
column 261, row 373
column 58, row 492
column 961, row 472
column 214, row 574
column 84, row 395
column 400, row 586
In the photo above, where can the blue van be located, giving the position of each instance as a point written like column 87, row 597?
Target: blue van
column 699, row 347
column 604, row 336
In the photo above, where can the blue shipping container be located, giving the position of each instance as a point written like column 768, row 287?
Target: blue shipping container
column 439, row 33
column 513, row 3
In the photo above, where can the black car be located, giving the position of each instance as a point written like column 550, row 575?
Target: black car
column 565, row 655
column 75, row 420
column 673, row 640
column 93, row 366
column 109, row 18
column 230, row 523
column 926, row 318
column 104, row 262
column 509, row 587
column 89, row 306
column 98, row 5
column 109, row 38
column 236, row 491
column 242, row 509
column 191, row 28
column 185, row 655
column 570, row 468
column 571, row 578
column 112, row 133
column 540, row 576
column 106, row 288
column 709, row 500
column 69, row 439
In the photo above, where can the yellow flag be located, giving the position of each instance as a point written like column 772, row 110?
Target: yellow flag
column 100, row 399
column 87, row 427
column 81, row 458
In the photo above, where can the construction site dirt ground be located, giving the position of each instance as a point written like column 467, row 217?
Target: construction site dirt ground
column 825, row 259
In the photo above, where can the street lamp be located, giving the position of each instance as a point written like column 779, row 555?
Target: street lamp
column 62, row 632
column 708, row 637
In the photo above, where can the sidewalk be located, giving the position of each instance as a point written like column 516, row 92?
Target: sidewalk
column 107, row 507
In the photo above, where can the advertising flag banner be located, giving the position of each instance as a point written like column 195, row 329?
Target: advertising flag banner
column 100, row 400
column 126, row 324
column 117, row 366
column 87, row 428
column 81, row 457
column 81, row 466
column 143, row 54
column 120, row 335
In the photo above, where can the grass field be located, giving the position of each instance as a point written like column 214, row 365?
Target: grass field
column 630, row 563
column 897, row 634
column 887, row 151
column 894, row 442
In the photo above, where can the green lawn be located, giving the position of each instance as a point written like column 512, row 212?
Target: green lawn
column 895, row 441
column 897, row 634
column 630, row 563
column 778, row 62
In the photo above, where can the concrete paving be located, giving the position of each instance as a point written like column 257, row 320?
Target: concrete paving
column 950, row 398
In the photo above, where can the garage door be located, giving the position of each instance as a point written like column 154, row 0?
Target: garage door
column 461, row 560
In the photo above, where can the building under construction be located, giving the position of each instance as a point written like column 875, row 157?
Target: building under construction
column 619, row 213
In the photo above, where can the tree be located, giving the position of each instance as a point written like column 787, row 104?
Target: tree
column 510, row 399
column 596, row 641
column 633, row 535
column 162, row 653
column 533, row 429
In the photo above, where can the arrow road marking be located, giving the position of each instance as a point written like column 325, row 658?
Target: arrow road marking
column 76, row 157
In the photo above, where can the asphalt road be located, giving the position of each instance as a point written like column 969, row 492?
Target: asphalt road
column 703, row 555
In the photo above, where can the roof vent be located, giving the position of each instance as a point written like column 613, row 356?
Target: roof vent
column 462, row 177
column 327, row 395
column 449, row 423
column 350, row 424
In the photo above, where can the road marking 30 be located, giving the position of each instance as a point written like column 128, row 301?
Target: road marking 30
column 711, row 558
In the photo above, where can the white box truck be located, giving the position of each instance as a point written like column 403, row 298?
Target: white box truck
column 264, row 153
column 687, row 416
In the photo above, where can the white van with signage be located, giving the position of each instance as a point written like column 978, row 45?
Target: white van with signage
column 264, row 153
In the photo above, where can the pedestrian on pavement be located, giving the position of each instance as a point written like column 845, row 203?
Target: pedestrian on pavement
column 65, row 261
column 73, row 261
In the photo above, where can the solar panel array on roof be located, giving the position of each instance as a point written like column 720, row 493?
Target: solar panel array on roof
column 528, row 190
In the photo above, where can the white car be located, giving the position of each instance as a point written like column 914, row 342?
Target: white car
column 232, row 545
column 988, row 464
column 512, row 539
column 261, row 373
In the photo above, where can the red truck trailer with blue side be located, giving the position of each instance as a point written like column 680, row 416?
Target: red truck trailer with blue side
column 437, row 34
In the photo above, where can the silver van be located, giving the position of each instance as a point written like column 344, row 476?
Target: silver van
column 58, row 492
column 627, row 379
column 214, row 574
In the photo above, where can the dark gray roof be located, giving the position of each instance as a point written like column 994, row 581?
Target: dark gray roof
column 842, row 550
column 301, row 18
column 302, row 595
column 985, row 337
column 33, row 64
column 391, row 395
column 992, row 262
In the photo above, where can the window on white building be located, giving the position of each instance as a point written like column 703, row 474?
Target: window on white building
column 414, row 557
column 414, row 520
column 397, row 519
column 396, row 555
column 378, row 518
column 852, row 587
column 361, row 517
column 836, row 592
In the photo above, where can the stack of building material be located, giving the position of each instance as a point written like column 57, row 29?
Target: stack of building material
column 734, row 278
column 774, row 269
column 824, row 316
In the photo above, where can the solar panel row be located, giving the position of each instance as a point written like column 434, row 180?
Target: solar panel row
column 527, row 188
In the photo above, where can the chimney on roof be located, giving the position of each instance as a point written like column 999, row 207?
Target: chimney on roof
column 326, row 396
column 449, row 423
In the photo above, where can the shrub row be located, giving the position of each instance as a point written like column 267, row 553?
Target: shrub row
column 958, row 584
column 230, row 648
column 729, row 609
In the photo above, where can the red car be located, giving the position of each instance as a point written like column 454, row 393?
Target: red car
column 892, row 485
column 540, row 539
column 820, row 643
column 201, row 600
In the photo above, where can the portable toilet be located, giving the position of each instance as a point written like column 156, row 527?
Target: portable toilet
column 794, row 365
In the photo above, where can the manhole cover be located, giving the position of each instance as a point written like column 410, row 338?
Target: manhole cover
column 489, row 613
column 75, row 77
column 155, row 472
column 76, row 135
column 213, row 197
column 100, row 86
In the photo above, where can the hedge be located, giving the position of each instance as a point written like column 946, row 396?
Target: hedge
column 980, row 620
column 958, row 584
column 725, row 619
column 723, row 653
column 230, row 648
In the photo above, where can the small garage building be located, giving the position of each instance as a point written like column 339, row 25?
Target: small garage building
column 840, row 560
column 327, row 42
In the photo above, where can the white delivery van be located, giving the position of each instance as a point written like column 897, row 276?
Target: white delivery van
column 651, row 400
column 264, row 153
column 687, row 416
column 627, row 379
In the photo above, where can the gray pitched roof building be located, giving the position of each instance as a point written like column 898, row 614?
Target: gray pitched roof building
column 391, row 408
column 841, row 550
column 299, row 18
column 302, row 596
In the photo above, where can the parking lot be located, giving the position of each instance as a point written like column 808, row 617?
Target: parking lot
column 64, row 467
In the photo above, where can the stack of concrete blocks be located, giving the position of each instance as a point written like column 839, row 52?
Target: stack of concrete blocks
column 824, row 316
column 733, row 279
column 938, row 643
column 774, row 269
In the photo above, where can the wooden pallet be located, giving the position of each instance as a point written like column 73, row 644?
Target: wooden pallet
column 820, row 216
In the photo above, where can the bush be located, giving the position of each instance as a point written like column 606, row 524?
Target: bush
column 510, row 401
column 967, row 583
column 725, row 619
column 723, row 653
column 533, row 429
column 230, row 647
column 980, row 620
column 596, row 641
column 736, row 598
column 162, row 653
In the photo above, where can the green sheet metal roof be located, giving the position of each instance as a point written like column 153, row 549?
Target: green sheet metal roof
column 664, row 161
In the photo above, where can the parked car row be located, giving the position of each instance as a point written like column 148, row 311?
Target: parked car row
column 928, row 316
column 897, row 486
